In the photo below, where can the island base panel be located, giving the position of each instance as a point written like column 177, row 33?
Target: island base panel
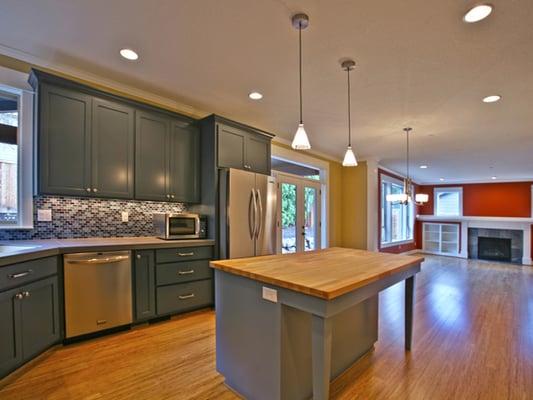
column 264, row 349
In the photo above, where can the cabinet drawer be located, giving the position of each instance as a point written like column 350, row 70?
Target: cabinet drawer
column 184, row 297
column 183, row 272
column 21, row 273
column 183, row 254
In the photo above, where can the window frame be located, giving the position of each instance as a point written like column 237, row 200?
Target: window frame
column 14, row 82
column 451, row 189
column 382, row 245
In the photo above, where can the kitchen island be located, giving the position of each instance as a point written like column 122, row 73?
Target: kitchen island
column 288, row 324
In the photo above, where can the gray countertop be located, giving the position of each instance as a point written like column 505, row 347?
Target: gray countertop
column 44, row 248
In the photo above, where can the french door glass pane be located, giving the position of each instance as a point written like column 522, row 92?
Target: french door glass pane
column 288, row 218
column 310, row 218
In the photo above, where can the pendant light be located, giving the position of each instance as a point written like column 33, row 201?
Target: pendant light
column 349, row 157
column 300, row 141
column 407, row 195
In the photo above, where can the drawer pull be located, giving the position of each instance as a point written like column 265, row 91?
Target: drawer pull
column 101, row 322
column 26, row 294
column 186, row 296
column 19, row 296
column 191, row 271
column 186, row 254
column 20, row 274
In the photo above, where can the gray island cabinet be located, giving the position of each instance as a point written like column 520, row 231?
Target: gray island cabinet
column 288, row 324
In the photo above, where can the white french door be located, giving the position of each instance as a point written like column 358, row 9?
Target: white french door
column 299, row 214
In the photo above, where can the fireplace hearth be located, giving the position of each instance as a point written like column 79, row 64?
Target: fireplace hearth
column 495, row 249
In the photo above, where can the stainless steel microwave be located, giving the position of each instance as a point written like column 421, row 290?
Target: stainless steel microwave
column 180, row 226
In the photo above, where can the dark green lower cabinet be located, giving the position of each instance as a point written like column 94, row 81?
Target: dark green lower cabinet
column 40, row 317
column 144, row 284
column 30, row 322
column 10, row 343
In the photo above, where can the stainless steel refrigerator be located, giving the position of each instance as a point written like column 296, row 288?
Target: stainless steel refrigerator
column 248, row 214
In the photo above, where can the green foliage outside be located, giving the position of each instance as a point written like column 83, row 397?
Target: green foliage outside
column 288, row 212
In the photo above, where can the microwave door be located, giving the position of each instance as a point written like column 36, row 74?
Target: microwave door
column 241, row 211
column 266, row 199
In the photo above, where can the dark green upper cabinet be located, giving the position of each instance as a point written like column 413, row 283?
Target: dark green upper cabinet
column 231, row 147
column 243, row 148
column 64, row 142
column 151, row 161
column 184, row 166
column 112, row 149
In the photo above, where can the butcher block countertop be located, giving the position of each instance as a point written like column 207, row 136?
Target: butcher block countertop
column 326, row 273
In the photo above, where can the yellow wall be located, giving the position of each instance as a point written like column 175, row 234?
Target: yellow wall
column 347, row 225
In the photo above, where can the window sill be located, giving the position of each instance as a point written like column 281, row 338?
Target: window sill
column 399, row 243
column 16, row 227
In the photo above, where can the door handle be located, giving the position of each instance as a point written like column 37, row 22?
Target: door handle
column 260, row 217
column 251, row 214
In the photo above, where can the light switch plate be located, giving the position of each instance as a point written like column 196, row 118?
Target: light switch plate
column 270, row 294
column 125, row 216
column 44, row 215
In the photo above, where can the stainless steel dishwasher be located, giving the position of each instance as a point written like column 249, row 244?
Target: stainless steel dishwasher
column 97, row 291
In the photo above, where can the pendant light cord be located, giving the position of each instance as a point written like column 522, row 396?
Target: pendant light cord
column 349, row 111
column 407, row 131
column 300, row 55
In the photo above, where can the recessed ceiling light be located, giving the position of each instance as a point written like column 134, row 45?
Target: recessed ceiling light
column 423, row 166
column 494, row 177
column 492, row 99
column 129, row 54
column 441, row 179
column 478, row 13
column 255, row 96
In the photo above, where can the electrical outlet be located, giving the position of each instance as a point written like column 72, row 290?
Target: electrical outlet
column 125, row 216
column 44, row 215
column 270, row 294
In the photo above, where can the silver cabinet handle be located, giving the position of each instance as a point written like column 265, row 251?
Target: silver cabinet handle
column 19, row 296
column 95, row 190
column 88, row 189
column 101, row 322
column 168, row 196
column 191, row 271
column 186, row 296
column 20, row 274
column 186, row 254
column 138, row 256
column 26, row 294
column 171, row 196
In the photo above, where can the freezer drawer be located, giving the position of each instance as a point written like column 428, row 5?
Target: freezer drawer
column 98, row 293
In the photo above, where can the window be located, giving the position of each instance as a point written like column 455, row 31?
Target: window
column 16, row 128
column 397, row 220
column 448, row 202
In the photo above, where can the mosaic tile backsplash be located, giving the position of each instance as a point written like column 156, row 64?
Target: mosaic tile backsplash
column 74, row 217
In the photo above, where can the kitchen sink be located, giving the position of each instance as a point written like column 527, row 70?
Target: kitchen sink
column 13, row 249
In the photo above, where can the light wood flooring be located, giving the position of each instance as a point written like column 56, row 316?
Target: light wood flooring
column 473, row 339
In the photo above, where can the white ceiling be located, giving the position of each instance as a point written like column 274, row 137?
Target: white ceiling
column 418, row 65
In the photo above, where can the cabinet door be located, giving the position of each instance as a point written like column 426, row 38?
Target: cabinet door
column 40, row 317
column 184, row 161
column 112, row 149
column 231, row 145
column 258, row 154
column 151, row 164
column 10, row 343
column 64, row 142
column 144, row 276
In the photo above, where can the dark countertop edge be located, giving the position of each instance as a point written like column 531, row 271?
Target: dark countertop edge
column 58, row 249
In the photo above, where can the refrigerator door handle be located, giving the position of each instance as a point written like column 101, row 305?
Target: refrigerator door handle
column 260, row 216
column 252, row 211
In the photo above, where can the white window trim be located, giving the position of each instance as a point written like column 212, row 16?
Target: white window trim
column 382, row 245
column 16, row 82
column 438, row 190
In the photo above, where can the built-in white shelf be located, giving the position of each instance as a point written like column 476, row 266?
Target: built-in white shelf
column 441, row 238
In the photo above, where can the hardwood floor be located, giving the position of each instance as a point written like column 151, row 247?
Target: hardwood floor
column 473, row 339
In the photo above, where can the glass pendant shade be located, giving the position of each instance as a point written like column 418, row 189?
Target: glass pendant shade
column 421, row 198
column 300, row 141
column 398, row 197
column 349, row 158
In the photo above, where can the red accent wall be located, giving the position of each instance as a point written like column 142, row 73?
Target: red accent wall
column 505, row 199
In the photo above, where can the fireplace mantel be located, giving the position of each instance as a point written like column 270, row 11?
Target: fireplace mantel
column 523, row 224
